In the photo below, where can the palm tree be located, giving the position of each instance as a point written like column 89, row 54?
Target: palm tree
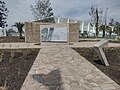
column 19, row 26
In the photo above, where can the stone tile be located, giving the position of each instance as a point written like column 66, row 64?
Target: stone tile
column 42, row 71
column 29, row 80
column 116, row 86
column 73, row 72
column 96, row 88
column 65, row 87
column 24, row 88
column 94, row 84
column 42, row 88
column 84, row 87
column 107, row 86
column 33, row 86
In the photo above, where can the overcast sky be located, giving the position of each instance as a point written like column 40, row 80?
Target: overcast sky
column 19, row 10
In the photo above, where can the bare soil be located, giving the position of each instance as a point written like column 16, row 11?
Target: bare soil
column 11, row 39
column 14, row 71
column 113, row 56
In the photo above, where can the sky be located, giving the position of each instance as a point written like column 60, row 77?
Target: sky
column 19, row 10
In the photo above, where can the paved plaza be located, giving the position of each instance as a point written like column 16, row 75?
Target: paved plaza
column 62, row 68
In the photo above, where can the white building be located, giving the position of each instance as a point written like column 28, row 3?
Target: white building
column 2, row 32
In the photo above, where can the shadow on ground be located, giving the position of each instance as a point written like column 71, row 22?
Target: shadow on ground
column 52, row 80
column 98, row 61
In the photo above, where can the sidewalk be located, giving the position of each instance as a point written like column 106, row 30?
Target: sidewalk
column 33, row 45
column 62, row 68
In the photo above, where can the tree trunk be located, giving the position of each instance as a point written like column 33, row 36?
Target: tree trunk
column 97, row 31
column 103, row 34
column 110, row 33
column 20, row 36
column 118, row 36
column 97, row 18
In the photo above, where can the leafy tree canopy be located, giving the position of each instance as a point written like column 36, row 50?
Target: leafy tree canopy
column 19, row 26
column 3, row 14
column 42, row 9
column 96, row 15
column 117, row 28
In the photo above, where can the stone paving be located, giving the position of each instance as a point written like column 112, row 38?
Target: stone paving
column 62, row 68
column 33, row 45
column 18, row 45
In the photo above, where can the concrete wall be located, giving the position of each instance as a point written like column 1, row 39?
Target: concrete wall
column 32, row 31
column 74, row 32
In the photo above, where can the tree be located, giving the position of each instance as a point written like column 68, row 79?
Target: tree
column 96, row 15
column 42, row 9
column 19, row 26
column 117, row 28
column 106, row 28
column 112, row 22
column 102, row 27
column 3, row 14
column 109, row 30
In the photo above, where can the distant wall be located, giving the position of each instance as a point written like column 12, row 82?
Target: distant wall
column 74, row 32
column 32, row 31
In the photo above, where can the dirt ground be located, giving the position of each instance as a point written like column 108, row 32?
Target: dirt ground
column 113, row 56
column 11, row 39
column 14, row 71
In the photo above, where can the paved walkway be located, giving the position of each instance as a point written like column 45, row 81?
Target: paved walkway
column 61, row 68
column 18, row 45
column 33, row 45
